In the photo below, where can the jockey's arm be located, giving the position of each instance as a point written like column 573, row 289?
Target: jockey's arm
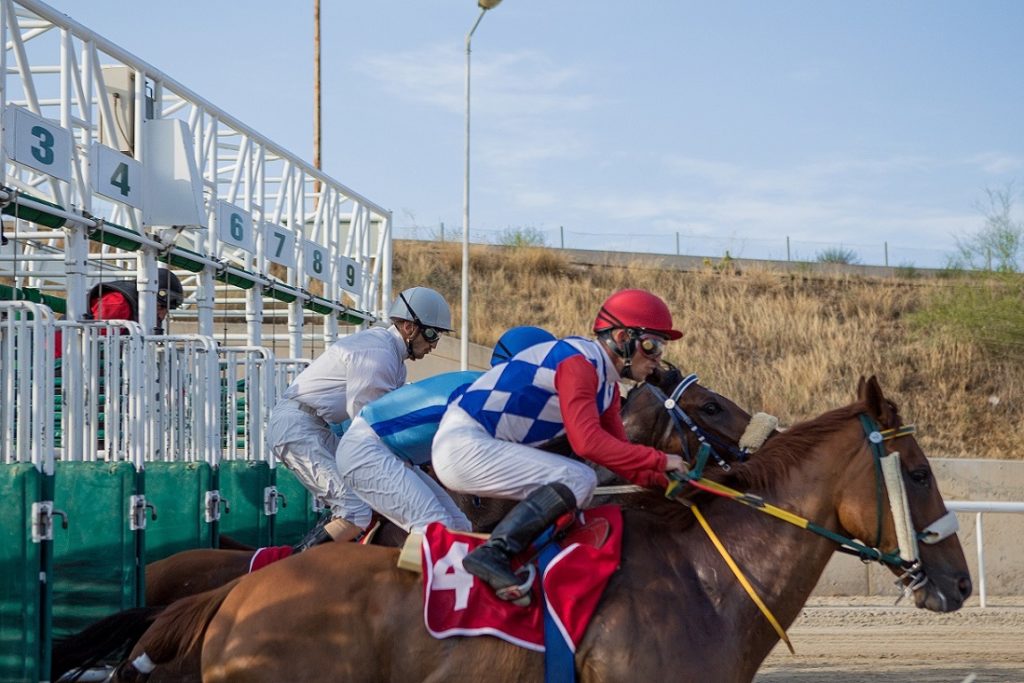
column 576, row 382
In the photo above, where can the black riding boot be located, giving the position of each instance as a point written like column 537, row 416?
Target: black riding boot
column 315, row 536
column 521, row 526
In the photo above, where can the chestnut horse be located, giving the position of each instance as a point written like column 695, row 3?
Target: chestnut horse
column 700, row 414
column 672, row 611
column 715, row 419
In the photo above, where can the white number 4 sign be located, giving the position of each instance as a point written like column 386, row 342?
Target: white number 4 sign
column 448, row 575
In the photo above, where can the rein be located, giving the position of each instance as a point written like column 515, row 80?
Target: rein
column 681, row 422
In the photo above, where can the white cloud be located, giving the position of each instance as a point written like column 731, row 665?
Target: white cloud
column 997, row 163
column 510, row 85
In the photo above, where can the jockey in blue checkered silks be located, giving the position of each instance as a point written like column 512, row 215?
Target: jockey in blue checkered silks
column 380, row 455
column 489, row 442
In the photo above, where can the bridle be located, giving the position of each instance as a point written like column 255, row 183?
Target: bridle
column 680, row 422
column 887, row 471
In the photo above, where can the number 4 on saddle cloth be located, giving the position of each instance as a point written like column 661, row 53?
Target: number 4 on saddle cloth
column 571, row 582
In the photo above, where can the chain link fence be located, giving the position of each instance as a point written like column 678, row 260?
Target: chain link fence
column 780, row 248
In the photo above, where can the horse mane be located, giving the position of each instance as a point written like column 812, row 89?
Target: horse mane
column 779, row 455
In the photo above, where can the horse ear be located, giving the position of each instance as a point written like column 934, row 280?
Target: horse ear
column 878, row 405
column 862, row 389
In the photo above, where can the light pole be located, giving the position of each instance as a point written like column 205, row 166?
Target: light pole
column 464, row 342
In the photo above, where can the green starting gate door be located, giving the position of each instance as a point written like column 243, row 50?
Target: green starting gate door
column 96, row 567
column 298, row 517
column 20, row 564
column 177, row 491
column 243, row 484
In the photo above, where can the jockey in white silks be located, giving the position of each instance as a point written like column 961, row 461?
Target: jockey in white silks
column 349, row 374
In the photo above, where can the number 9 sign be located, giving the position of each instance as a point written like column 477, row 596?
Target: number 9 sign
column 350, row 275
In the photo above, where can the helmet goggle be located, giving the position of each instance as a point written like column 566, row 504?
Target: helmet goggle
column 431, row 335
column 650, row 344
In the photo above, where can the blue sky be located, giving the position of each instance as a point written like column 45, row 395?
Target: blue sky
column 735, row 124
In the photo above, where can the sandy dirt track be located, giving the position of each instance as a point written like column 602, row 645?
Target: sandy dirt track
column 847, row 640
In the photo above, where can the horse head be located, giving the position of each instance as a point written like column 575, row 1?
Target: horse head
column 676, row 414
column 902, row 512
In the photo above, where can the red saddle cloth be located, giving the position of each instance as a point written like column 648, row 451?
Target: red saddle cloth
column 264, row 556
column 456, row 603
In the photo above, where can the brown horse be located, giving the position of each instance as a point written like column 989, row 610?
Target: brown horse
column 194, row 571
column 647, row 421
column 672, row 611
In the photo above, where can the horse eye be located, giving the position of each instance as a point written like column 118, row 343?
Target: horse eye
column 711, row 408
column 921, row 476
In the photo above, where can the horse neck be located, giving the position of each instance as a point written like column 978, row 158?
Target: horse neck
column 782, row 561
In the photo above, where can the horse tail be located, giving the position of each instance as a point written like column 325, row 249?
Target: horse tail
column 110, row 638
column 177, row 630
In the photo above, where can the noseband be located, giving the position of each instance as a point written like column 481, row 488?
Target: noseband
column 680, row 422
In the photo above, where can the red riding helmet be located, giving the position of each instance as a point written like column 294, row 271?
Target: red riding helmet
column 636, row 308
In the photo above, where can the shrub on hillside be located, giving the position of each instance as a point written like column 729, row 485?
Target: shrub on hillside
column 521, row 237
column 847, row 257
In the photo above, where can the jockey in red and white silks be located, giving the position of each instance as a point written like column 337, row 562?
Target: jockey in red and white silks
column 488, row 440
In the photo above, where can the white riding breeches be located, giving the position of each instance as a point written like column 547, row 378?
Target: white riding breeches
column 403, row 493
column 305, row 444
column 469, row 460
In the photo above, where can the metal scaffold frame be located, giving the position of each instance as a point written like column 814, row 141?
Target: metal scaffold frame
column 103, row 96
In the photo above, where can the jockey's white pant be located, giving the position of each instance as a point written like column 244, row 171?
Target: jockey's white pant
column 469, row 460
column 401, row 492
column 305, row 444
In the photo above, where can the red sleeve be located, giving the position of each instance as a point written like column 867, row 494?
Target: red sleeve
column 112, row 306
column 576, row 382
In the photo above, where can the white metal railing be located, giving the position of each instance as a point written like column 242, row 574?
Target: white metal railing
column 979, row 508
column 253, row 367
column 102, row 386
column 183, row 399
column 26, row 386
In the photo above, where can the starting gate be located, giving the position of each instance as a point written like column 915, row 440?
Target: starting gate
column 145, row 443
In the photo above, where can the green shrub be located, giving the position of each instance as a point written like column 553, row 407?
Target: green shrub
column 521, row 237
column 839, row 255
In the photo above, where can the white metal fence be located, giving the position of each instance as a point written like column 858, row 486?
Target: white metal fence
column 979, row 508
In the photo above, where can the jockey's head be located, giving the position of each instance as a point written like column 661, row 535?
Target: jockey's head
column 421, row 315
column 634, row 326
column 515, row 340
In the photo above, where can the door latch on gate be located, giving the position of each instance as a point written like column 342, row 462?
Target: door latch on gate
column 42, row 521
column 137, row 512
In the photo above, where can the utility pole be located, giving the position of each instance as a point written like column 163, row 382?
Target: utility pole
column 316, row 94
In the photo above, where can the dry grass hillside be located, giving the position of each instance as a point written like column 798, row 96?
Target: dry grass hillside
column 949, row 351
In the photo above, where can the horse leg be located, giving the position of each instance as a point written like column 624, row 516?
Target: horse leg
column 177, row 630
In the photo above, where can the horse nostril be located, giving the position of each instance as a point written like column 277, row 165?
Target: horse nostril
column 964, row 586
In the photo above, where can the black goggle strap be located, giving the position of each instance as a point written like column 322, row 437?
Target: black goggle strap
column 506, row 353
column 429, row 333
column 626, row 352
